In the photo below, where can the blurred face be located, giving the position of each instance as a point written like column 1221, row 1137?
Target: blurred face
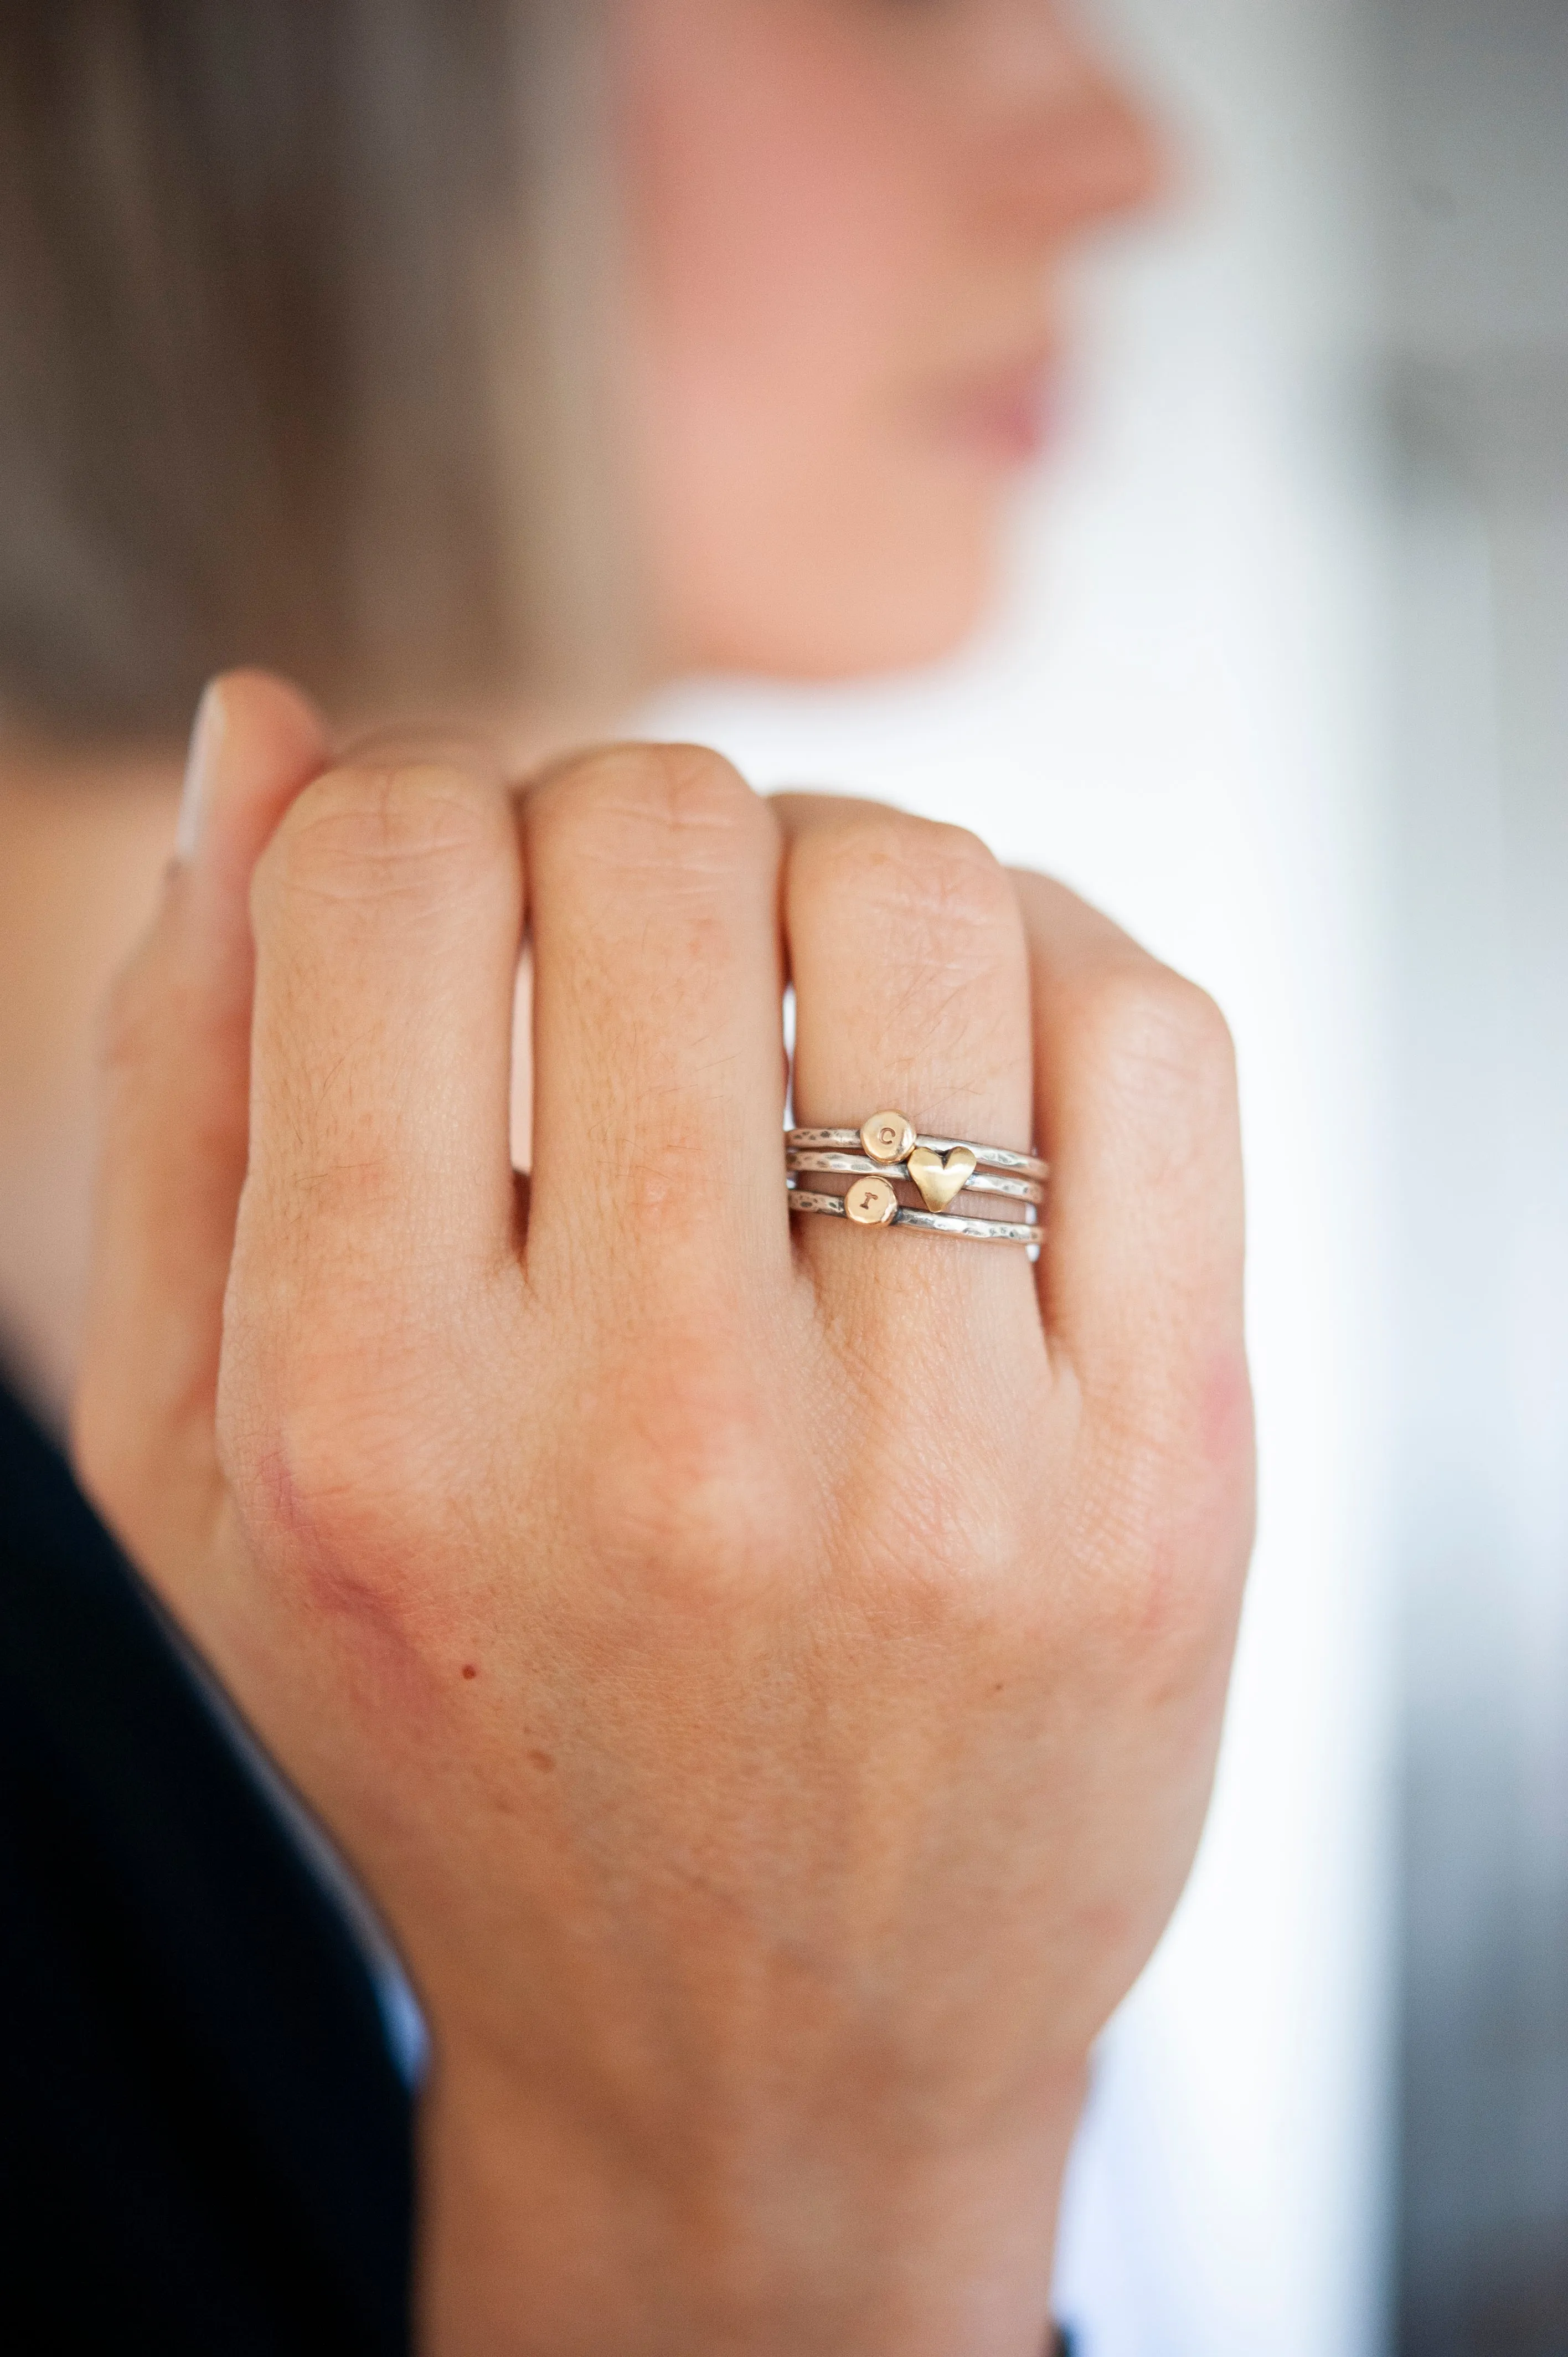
column 847, row 224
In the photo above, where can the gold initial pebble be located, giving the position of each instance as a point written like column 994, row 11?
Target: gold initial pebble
column 887, row 1136
column 870, row 1203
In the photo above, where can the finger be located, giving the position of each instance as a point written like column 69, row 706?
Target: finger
column 1136, row 1091
column 387, row 911
column 175, row 1078
column 911, row 993
column 652, row 876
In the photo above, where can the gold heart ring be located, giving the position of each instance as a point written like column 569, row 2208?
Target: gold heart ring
column 940, row 1167
column 940, row 1178
column 885, row 1138
column 798, row 1160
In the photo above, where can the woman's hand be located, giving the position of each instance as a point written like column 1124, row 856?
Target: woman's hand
column 770, row 1679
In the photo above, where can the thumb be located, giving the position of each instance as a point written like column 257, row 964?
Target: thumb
column 175, row 1070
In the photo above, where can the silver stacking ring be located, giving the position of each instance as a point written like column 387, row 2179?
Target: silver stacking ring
column 861, row 1166
column 939, row 1168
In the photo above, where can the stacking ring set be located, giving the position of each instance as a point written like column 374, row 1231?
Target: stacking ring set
column 886, row 1146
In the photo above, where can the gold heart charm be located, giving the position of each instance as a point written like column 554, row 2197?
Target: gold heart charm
column 939, row 1181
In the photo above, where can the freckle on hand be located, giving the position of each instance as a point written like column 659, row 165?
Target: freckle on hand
column 543, row 1762
column 469, row 1671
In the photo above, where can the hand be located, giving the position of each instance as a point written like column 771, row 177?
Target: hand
column 770, row 1679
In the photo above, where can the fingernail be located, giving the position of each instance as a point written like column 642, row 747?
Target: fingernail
column 206, row 737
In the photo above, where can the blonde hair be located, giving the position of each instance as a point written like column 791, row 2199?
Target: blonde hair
column 303, row 312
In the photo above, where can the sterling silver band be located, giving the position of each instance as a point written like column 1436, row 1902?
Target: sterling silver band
column 941, row 1223
column 999, row 1158
column 861, row 1166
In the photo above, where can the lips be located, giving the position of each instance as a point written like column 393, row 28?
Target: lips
column 1005, row 414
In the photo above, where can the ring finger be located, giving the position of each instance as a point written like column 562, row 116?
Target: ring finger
column 907, row 955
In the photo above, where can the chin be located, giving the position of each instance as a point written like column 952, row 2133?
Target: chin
column 843, row 619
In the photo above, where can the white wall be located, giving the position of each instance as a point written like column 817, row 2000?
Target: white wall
column 1178, row 715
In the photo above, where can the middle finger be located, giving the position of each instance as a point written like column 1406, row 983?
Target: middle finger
column 652, row 884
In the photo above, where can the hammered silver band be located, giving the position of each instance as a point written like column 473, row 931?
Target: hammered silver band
column 941, row 1223
column 999, row 1158
column 861, row 1166
column 940, row 1169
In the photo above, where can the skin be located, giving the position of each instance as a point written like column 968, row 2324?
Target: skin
column 769, row 1680
column 849, row 225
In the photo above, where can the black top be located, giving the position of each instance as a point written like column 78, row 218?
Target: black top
column 205, row 2143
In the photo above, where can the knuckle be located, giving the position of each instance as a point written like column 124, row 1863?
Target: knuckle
column 688, row 1497
column 288, row 1467
column 379, row 829
column 639, row 806
column 335, row 1474
column 918, row 873
column 937, row 1550
column 1161, row 1036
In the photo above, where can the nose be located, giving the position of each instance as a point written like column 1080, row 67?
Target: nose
column 1125, row 163
column 1079, row 146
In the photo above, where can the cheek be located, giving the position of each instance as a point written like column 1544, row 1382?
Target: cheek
column 786, row 252
column 770, row 193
